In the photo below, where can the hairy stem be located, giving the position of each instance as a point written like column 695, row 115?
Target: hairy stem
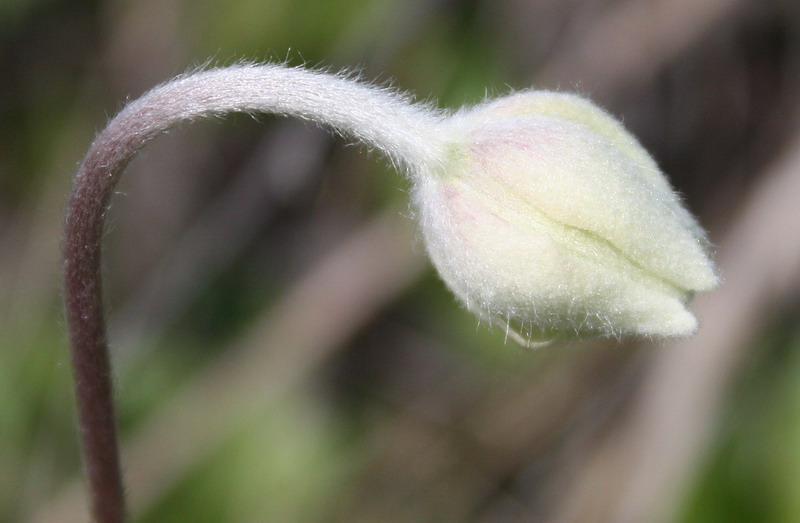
column 382, row 119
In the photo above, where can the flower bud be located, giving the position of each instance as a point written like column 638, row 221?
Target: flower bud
column 550, row 219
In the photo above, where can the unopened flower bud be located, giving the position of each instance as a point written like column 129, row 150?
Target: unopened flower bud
column 550, row 219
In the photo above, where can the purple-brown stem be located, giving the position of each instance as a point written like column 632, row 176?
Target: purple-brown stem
column 380, row 118
column 114, row 147
column 97, row 175
column 84, row 309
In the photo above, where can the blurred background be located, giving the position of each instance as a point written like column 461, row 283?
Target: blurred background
column 282, row 349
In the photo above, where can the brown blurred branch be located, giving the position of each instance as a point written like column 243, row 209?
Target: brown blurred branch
column 631, row 42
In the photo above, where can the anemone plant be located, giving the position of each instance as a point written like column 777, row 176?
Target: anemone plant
column 540, row 211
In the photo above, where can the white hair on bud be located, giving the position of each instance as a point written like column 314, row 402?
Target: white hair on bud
column 552, row 220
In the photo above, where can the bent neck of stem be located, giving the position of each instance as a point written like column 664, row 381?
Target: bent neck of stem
column 382, row 119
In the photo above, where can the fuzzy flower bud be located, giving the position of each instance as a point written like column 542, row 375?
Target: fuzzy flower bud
column 550, row 220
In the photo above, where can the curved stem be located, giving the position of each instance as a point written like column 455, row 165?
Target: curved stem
column 383, row 119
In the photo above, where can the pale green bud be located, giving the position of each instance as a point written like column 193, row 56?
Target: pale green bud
column 549, row 218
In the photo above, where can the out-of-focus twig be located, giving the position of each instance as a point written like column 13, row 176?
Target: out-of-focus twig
column 632, row 42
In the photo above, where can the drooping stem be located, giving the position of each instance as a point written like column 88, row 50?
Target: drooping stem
column 382, row 119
